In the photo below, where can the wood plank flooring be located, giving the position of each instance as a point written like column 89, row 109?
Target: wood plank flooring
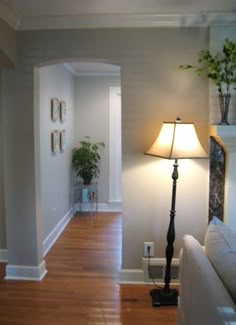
column 81, row 286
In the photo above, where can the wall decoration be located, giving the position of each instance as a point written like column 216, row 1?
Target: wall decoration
column 55, row 141
column 55, row 106
column 62, row 111
column 62, row 140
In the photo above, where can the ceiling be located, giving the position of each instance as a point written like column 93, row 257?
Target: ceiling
column 38, row 14
column 81, row 7
column 86, row 69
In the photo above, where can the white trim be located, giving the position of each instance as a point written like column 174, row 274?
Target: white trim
column 161, row 263
column 24, row 272
column 18, row 22
column 102, row 207
column 37, row 273
column 115, row 151
column 3, row 255
column 55, row 233
column 141, row 276
column 111, row 206
column 126, row 21
column 131, row 276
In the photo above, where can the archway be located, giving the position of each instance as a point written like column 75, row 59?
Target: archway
column 56, row 80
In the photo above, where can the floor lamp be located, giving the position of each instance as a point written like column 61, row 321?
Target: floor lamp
column 176, row 140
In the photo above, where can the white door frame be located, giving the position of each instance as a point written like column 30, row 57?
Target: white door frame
column 115, row 150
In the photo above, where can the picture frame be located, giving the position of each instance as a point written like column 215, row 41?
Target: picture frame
column 63, row 111
column 55, row 141
column 62, row 140
column 55, row 106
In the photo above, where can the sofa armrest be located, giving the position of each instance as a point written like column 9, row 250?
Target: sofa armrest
column 180, row 314
column 203, row 299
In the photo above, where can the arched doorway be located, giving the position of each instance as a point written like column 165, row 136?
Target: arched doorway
column 84, row 87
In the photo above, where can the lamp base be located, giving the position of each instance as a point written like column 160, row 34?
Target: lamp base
column 161, row 297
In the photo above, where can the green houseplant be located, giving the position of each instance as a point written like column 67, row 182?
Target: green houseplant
column 86, row 158
column 221, row 69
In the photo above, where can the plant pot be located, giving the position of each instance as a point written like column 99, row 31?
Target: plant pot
column 224, row 108
column 87, row 181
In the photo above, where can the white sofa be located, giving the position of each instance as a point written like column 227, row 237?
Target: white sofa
column 207, row 292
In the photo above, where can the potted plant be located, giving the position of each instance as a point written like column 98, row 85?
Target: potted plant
column 221, row 69
column 86, row 158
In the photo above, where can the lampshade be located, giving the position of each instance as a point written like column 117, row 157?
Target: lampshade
column 177, row 140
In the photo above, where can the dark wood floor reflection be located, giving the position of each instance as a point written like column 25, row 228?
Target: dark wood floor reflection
column 81, row 286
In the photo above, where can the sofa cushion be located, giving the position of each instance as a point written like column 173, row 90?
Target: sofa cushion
column 220, row 245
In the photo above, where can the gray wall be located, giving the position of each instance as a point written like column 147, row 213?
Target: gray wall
column 2, row 212
column 7, row 59
column 23, row 226
column 55, row 81
column 7, row 44
column 153, row 90
column 92, row 119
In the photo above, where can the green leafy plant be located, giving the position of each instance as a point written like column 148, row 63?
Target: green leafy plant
column 86, row 158
column 220, row 67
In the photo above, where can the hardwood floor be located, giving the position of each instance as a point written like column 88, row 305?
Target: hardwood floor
column 81, row 286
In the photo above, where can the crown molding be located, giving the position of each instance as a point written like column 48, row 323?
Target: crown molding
column 128, row 21
column 111, row 21
column 10, row 16
column 18, row 22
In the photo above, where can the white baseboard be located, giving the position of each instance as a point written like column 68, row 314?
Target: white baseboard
column 37, row 273
column 157, row 267
column 24, row 272
column 102, row 207
column 49, row 241
column 3, row 255
column 131, row 276
column 112, row 206
column 55, row 233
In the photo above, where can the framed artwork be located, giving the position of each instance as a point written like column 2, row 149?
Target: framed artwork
column 62, row 111
column 55, row 141
column 55, row 106
column 62, row 140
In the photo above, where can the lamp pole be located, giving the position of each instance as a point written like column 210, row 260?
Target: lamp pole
column 168, row 296
column 171, row 230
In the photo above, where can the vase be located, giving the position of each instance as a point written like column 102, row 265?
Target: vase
column 224, row 108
